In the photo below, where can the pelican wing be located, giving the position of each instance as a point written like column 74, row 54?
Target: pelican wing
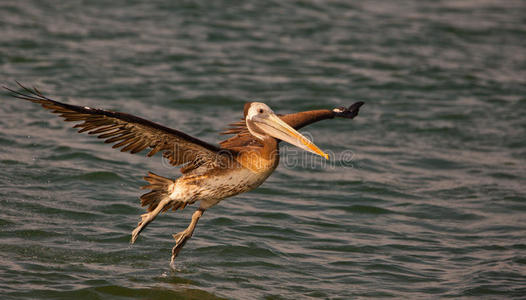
column 298, row 120
column 132, row 134
column 242, row 136
column 304, row 118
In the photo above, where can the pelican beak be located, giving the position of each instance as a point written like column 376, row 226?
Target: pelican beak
column 277, row 128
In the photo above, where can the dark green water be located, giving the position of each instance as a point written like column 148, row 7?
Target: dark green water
column 433, row 203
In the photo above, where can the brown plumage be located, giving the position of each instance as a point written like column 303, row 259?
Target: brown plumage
column 296, row 120
column 130, row 133
column 210, row 173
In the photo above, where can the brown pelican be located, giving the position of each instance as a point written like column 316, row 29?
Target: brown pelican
column 210, row 173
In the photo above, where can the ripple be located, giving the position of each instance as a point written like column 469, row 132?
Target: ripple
column 228, row 251
column 97, row 176
column 123, row 292
column 364, row 209
column 77, row 156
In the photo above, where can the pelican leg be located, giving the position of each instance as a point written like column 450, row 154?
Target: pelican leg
column 147, row 218
column 182, row 237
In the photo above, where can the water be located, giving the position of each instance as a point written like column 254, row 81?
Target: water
column 433, row 203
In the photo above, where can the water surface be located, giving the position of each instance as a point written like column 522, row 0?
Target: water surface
column 431, row 204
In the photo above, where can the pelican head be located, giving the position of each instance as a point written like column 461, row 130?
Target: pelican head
column 262, row 123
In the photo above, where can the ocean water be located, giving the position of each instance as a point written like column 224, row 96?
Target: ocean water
column 424, row 197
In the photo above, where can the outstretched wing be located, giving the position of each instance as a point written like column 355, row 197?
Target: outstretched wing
column 242, row 136
column 130, row 133
column 298, row 120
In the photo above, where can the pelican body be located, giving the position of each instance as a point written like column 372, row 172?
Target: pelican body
column 209, row 173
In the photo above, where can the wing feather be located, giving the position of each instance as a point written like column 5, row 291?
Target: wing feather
column 243, row 138
column 130, row 132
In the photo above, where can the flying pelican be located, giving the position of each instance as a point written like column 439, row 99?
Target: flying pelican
column 210, row 173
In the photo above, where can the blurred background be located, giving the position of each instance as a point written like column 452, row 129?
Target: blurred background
column 432, row 203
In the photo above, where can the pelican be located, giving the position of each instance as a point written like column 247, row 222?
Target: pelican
column 210, row 173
